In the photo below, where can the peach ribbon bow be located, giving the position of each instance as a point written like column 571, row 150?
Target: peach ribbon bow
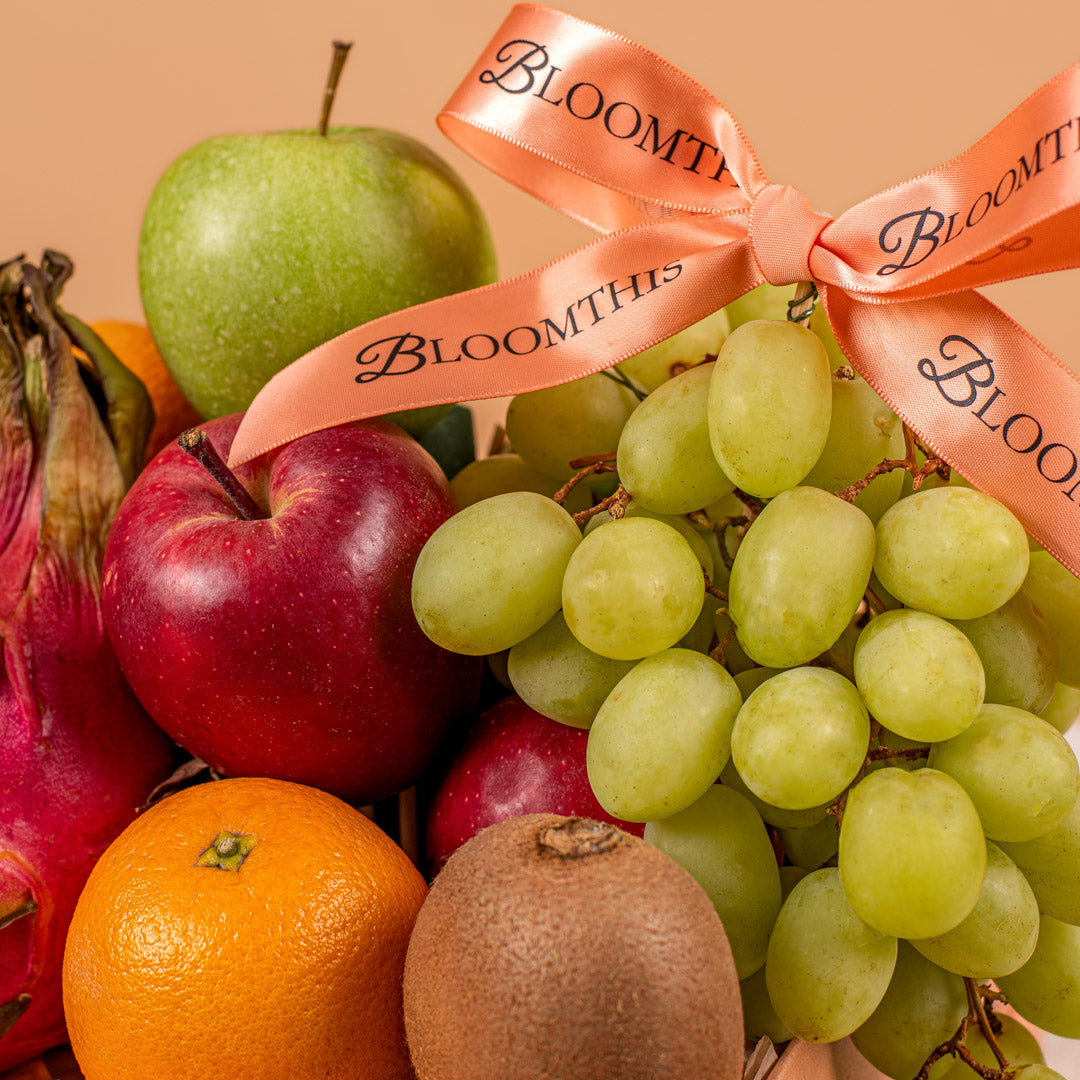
column 606, row 131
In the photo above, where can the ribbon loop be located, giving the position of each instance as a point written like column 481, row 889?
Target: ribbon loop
column 611, row 134
column 784, row 228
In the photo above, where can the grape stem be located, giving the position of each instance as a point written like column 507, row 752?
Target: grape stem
column 615, row 504
column 801, row 305
column 753, row 504
column 874, row 604
column 586, row 466
column 977, row 1014
column 622, row 380
column 606, row 458
column 908, row 462
column 907, row 753
column 720, row 527
column 499, row 443
column 876, row 750
column 719, row 652
column 712, row 589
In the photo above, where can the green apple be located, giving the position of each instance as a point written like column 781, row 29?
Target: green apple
column 256, row 248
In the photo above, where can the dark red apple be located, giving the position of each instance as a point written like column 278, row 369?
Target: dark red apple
column 286, row 646
column 512, row 761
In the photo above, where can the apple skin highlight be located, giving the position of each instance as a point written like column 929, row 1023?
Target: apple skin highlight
column 256, row 248
column 286, row 646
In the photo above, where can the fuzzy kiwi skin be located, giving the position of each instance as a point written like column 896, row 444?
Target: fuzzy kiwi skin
column 554, row 948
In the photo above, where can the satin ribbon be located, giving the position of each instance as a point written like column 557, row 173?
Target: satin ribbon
column 606, row 131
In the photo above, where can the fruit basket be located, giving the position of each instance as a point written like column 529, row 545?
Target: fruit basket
column 695, row 389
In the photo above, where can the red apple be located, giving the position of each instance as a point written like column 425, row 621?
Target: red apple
column 286, row 646
column 512, row 761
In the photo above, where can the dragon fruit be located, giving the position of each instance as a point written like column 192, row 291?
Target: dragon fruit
column 78, row 755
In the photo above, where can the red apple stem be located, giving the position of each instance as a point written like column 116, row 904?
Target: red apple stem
column 195, row 442
column 341, row 52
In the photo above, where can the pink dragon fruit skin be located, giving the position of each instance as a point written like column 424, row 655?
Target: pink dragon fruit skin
column 78, row 755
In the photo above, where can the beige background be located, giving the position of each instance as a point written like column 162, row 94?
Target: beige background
column 840, row 97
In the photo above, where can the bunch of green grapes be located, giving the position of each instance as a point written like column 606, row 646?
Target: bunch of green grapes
column 838, row 700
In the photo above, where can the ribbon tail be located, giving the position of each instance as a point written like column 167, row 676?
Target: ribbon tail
column 981, row 393
column 586, row 311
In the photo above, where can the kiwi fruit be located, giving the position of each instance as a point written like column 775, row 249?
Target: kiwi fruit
column 562, row 948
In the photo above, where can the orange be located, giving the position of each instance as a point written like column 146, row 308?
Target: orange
column 135, row 349
column 243, row 928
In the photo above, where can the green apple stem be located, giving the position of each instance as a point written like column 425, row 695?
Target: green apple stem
column 194, row 441
column 341, row 52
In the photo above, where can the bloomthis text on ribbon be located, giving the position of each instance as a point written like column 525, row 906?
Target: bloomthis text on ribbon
column 967, row 380
column 526, row 67
column 919, row 233
column 403, row 354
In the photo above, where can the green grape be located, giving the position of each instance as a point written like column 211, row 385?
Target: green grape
column 711, row 539
column 840, row 655
column 1051, row 864
column 749, row 680
column 1046, row 990
column 770, row 401
column 723, row 844
column 688, row 348
column 863, row 432
column 632, row 588
column 1063, row 707
column 953, row 551
column 697, row 542
column 812, row 847
column 790, row 876
column 759, row 1016
column 766, row 301
column 1020, row 772
column 700, row 636
column 503, row 473
column 1000, row 933
column 496, row 665
column 735, row 660
column 1017, row 1044
column 772, row 815
column 727, row 507
column 921, row 1009
column 662, row 736
column 883, row 596
column 799, row 576
column 1036, row 1072
column 1018, row 652
column 665, row 458
column 553, row 673
column 491, row 575
column 919, row 676
column 826, row 969
column 551, row 427
column 912, row 852
column 1056, row 593
column 804, row 714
